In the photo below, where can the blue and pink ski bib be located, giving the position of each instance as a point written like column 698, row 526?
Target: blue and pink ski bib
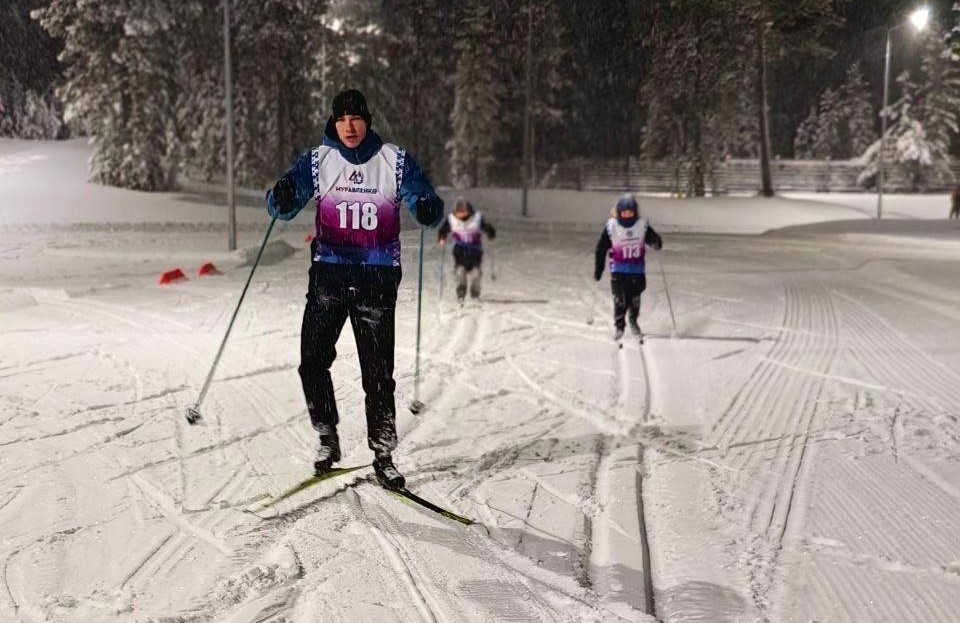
column 466, row 233
column 628, row 249
column 358, row 207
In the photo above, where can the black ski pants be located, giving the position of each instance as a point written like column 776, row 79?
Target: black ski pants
column 627, row 289
column 467, row 263
column 368, row 296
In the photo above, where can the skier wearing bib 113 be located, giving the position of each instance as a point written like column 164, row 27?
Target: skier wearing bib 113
column 358, row 183
column 624, row 239
column 467, row 227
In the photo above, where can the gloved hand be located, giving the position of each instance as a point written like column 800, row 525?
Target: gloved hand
column 427, row 210
column 597, row 275
column 285, row 195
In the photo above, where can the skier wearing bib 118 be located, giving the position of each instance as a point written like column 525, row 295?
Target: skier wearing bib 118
column 624, row 239
column 358, row 183
column 467, row 227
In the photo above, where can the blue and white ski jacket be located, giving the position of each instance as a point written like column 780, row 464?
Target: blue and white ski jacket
column 358, row 193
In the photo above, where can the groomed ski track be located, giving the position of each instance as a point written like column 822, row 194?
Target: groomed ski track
column 789, row 455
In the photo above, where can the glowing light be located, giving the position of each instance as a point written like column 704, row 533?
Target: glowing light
column 920, row 18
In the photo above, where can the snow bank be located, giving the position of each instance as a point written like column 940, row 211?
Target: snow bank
column 45, row 182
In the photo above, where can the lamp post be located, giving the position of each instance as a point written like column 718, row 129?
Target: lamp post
column 228, row 105
column 919, row 19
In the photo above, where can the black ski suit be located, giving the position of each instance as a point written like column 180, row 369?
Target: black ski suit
column 467, row 258
column 351, row 281
column 627, row 287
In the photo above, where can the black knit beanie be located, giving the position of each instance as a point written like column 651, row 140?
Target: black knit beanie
column 351, row 102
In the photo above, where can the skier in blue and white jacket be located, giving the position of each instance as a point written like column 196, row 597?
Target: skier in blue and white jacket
column 624, row 239
column 358, row 183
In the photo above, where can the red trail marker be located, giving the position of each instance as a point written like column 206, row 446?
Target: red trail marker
column 172, row 276
column 208, row 269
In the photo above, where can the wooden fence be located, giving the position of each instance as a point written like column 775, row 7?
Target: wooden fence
column 730, row 176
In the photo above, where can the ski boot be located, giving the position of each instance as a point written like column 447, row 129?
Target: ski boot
column 635, row 328
column 327, row 454
column 618, row 334
column 387, row 473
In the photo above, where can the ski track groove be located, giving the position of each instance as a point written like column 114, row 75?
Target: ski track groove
column 776, row 391
column 781, row 404
column 864, row 591
column 922, row 544
column 6, row 581
column 182, row 541
column 595, row 542
column 909, row 364
column 649, row 592
column 529, row 603
column 115, row 313
column 177, row 547
column 423, row 601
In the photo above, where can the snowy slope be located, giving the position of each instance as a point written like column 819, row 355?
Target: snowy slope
column 791, row 448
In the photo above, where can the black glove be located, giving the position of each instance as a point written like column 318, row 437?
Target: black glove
column 285, row 195
column 427, row 212
column 597, row 275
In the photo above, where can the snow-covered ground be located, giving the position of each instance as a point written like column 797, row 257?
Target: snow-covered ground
column 790, row 452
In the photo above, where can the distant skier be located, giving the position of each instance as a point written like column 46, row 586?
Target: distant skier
column 624, row 240
column 467, row 227
column 955, row 202
column 358, row 183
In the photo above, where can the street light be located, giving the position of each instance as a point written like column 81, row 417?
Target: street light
column 919, row 19
column 228, row 106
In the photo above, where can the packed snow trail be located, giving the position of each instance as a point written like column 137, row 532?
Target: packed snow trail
column 793, row 447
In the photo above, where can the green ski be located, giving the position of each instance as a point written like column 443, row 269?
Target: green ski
column 413, row 497
column 309, row 482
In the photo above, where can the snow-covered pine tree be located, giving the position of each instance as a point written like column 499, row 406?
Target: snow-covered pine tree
column 841, row 126
column 827, row 144
column 541, row 22
column 476, row 101
column 860, row 117
column 941, row 96
column 345, row 52
column 953, row 36
column 29, row 107
column 693, row 62
column 272, row 53
column 925, row 121
column 119, row 83
column 803, row 142
column 200, row 111
column 779, row 29
column 412, row 85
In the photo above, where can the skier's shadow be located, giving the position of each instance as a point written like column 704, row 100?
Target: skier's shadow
column 541, row 550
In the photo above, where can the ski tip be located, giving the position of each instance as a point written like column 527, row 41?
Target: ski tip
column 413, row 497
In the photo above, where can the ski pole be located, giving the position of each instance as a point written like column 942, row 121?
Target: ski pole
column 416, row 406
column 593, row 304
column 193, row 413
column 493, row 262
column 666, row 289
column 443, row 258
